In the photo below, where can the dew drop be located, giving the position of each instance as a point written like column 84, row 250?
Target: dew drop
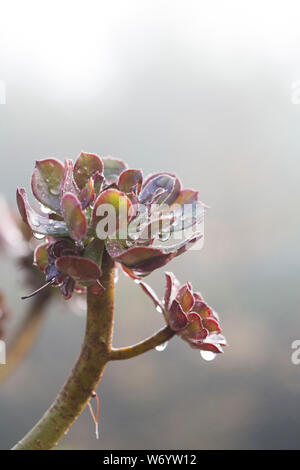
column 159, row 309
column 45, row 210
column 162, row 347
column 207, row 355
column 164, row 237
column 38, row 236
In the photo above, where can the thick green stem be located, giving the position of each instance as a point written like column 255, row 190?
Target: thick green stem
column 26, row 334
column 159, row 338
column 86, row 373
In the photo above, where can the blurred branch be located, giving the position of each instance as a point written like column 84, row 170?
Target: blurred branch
column 159, row 338
column 26, row 335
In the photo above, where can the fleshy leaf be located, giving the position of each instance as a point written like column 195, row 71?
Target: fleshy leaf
column 185, row 298
column 86, row 166
column 154, row 184
column 202, row 308
column 79, row 269
column 177, row 317
column 98, row 179
column 68, row 185
column 141, row 260
column 87, row 194
column 166, row 181
column 172, row 286
column 186, row 196
column 38, row 223
column 45, row 182
column 130, row 179
column 112, row 169
column 40, row 258
column 74, row 216
column 121, row 205
column 211, row 325
column 194, row 329
column 60, row 248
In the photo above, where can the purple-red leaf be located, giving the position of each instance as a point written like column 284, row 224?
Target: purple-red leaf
column 172, row 286
column 40, row 257
column 186, row 196
column 185, row 298
column 194, row 329
column 87, row 194
column 141, row 260
column 45, row 182
column 74, row 216
column 120, row 206
column 37, row 222
column 79, row 269
column 211, row 325
column 154, row 183
column 68, row 185
column 177, row 318
column 161, row 184
column 86, row 166
column 129, row 180
column 202, row 308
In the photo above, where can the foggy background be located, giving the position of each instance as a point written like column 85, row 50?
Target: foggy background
column 206, row 89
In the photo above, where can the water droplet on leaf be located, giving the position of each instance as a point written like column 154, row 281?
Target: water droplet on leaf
column 162, row 347
column 45, row 209
column 38, row 236
column 207, row 355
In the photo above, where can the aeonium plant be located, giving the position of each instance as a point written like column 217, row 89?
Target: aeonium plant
column 91, row 216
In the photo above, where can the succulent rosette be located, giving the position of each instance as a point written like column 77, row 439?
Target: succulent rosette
column 71, row 200
column 188, row 315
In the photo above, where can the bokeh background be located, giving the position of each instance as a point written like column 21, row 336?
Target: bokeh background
column 209, row 90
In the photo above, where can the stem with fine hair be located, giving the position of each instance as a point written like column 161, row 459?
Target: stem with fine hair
column 159, row 338
column 86, row 373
